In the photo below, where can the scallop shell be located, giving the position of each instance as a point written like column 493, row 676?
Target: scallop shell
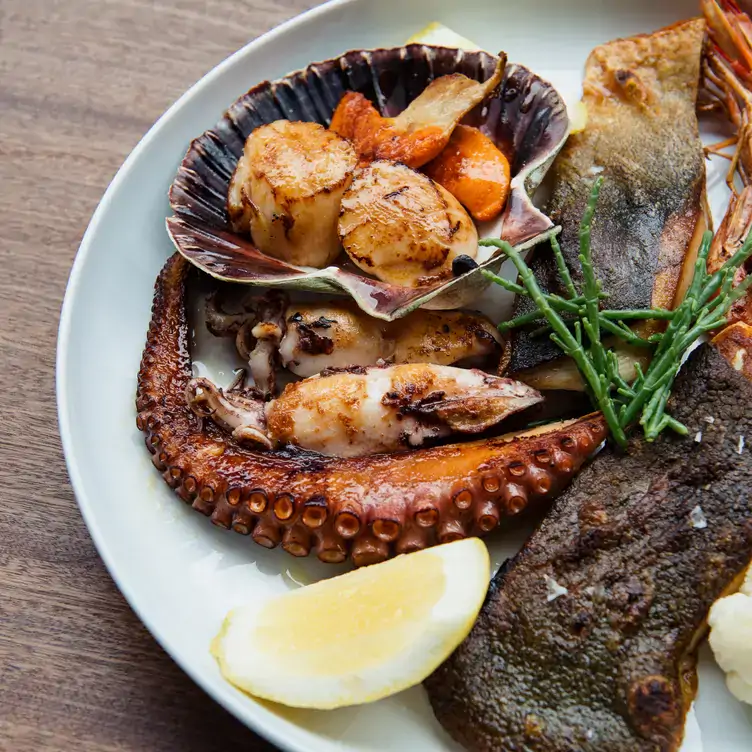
column 526, row 118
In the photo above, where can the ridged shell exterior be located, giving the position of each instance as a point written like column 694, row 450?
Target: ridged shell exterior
column 527, row 118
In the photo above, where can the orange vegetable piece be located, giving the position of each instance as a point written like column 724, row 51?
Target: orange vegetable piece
column 474, row 171
column 419, row 133
column 376, row 137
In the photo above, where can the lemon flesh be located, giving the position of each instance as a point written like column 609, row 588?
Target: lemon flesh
column 442, row 36
column 578, row 117
column 358, row 637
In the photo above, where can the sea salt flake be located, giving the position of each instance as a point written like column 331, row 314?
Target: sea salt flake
column 738, row 360
column 697, row 518
column 590, row 735
column 740, row 445
column 553, row 589
column 698, row 437
column 709, row 419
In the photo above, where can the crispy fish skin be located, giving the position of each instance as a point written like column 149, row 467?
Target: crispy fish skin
column 643, row 545
column 643, row 137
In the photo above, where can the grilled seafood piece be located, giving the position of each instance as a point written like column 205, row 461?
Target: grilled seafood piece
column 402, row 227
column 727, row 78
column 587, row 640
column 443, row 337
column 642, row 135
column 286, row 190
column 422, row 130
column 320, row 337
column 307, row 338
column 365, row 508
column 267, row 334
column 727, row 85
column 334, row 335
column 735, row 344
column 363, row 411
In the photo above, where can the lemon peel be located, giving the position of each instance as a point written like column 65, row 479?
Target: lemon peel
column 358, row 637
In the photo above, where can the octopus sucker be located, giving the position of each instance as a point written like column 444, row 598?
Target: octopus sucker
column 297, row 541
column 314, row 513
column 368, row 550
column 365, row 508
column 514, row 498
column 415, row 538
column 451, row 530
column 487, row 516
column 427, row 517
column 330, row 549
column 266, row 534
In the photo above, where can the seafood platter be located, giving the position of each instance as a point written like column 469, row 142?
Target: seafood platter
column 454, row 310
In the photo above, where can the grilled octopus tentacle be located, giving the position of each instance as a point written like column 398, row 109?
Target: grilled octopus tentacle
column 365, row 508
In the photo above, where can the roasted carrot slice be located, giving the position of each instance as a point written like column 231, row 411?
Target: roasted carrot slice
column 420, row 133
column 474, row 171
column 376, row 137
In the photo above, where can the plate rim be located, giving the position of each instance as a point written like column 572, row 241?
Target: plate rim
column 279, row 731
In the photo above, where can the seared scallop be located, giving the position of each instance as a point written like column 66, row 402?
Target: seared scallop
column 402, row 227
column 287, row 189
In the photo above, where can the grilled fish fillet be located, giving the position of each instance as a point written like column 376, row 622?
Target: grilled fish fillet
column 642, row 136
column 587, row 639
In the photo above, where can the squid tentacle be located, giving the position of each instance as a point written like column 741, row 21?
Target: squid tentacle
column 365, row 508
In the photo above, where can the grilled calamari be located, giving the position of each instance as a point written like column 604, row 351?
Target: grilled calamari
column 365, row 509
column 309, row 337
column 286, row 191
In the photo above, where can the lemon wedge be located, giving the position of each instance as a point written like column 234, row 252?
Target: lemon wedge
column 442, row 36
column 358, row 637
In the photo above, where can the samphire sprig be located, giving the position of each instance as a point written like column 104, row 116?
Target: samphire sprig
column 703, row 309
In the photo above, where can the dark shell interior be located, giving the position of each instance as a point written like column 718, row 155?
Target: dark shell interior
column 526, row 117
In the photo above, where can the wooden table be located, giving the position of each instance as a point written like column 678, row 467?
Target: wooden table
column 80, row 82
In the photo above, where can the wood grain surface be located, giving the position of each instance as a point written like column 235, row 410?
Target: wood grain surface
column 81, row 81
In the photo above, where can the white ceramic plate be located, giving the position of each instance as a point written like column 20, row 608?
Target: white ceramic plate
column 179, row 573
